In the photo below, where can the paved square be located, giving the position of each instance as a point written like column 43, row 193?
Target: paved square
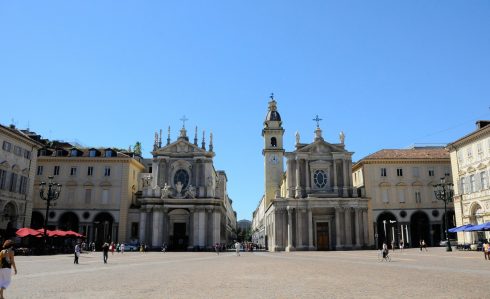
column 340, row 274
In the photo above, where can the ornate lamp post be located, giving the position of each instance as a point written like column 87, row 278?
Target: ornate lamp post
column 50, row 194
column 444, row 191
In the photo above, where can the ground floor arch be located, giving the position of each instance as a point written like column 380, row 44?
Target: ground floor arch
column 69, row 221
column 420, row 229
column 387, row 229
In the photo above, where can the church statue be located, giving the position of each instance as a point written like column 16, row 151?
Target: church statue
column 191, row 192
column 166, row 192
column 146, row 181
column 342, row 137
column 179, row 186
column 297, row 137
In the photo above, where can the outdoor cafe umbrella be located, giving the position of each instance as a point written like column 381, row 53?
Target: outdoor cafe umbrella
column 75, row 234
column 480, row 227
column 26, row 231
column 461, row 228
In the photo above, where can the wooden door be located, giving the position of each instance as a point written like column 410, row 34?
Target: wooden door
column 322, row 237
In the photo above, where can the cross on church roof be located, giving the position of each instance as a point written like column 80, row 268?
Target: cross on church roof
column 317, row 119
column 183, row 119
column 272, row 95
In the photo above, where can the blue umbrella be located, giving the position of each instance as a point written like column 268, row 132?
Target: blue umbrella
column 480, row 227
column 461, row 228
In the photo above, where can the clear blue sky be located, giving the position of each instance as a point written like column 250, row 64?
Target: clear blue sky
column 110, row 73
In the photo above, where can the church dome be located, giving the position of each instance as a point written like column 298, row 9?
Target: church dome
column 272, row 114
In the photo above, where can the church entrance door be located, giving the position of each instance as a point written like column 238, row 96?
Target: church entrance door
column 180, row 239
column 322, row 238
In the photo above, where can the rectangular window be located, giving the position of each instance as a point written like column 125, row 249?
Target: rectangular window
column 384, row 194
column 383, row 171
column 3, row 179
column 105, row 196
column 399, row 172
column 13, row 182
column 56, row 170
column 27, row 154
column 472, row 183
column 107, row 171
column 23, row 185
column 464, row 187
column 73, row 171
column 40, row 170
column 88, row 196
column 484, row 182
column 469, row 153
column 17, row 150
column 90, row 170
column 401, row 195
column 460, row 157
column 418, row 197
column 6, row 146
column 416, row 172
column 431, row 171
column 479, row 149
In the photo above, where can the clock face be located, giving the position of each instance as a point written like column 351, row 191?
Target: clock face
column 274, row 159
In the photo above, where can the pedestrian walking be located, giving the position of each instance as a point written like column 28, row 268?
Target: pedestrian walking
column 105, row 252
column 77, row 253
column 8, row 262
column 164, row 247
column 122, row 247
column 237, row 248
column 93, row 246
column 485, row 249
column 402, row 245
column 111, row 247
column 216, row 248
column 424, row 245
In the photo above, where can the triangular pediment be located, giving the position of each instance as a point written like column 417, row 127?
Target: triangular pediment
column 320, row 146
column 180, row 146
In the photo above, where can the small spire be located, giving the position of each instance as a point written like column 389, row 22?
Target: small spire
column 203, row 140
column 211, row 141
column 168, row 138
column 155, row 143
column 160, row 139
column 195, row 137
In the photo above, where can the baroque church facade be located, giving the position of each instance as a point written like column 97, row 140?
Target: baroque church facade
column 184, row 202
column 312, row 205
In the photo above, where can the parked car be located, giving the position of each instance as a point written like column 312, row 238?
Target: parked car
column 131, row 247
column 443, row 243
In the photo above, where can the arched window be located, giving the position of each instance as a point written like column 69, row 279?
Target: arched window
column 273, row 142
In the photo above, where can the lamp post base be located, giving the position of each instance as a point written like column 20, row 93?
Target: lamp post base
column 448, row 246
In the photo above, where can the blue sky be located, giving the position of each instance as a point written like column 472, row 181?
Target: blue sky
column 110, row 73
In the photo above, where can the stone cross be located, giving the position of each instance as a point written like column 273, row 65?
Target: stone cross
column 317, row 119
column 183, row 119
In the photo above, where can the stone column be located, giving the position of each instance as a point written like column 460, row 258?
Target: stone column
column 164, row 226
column 338, row 235
column 290, row 230
column 156, row 227
column 299, row 228
column 142, row 231
column 298, row 179
column 365, row 226
column 195, row 227
column 348, row 227
column 307, row 176
column 284, row 229
column 289, row 164
column 335, row 183
column 202, row 227
column 358, row 240
column 216, row 226
column 345, row 189
column 310, row 230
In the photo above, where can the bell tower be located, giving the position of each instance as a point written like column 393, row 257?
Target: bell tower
column 273, row 151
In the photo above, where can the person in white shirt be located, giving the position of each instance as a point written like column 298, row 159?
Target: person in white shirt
column 237, row 248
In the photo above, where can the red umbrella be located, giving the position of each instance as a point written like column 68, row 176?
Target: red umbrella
column 75, row 234
column 57, row 233
column 25, row 231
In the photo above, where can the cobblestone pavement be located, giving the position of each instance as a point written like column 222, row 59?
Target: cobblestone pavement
column 336, row 274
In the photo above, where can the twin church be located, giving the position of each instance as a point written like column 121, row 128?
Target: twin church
column 310, row 206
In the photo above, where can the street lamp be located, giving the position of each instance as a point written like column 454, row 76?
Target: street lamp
column 51, row 193
column 444, row 191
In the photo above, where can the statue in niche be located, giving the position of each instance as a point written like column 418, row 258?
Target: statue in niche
column 178, row 187
column 166, row 191
column 190, row 192
column 146, row 181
